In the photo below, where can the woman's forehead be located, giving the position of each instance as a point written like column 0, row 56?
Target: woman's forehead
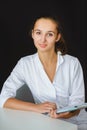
column 45, row 23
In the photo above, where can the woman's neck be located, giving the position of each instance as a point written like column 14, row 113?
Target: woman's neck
column 49, row 62
column 47, row 58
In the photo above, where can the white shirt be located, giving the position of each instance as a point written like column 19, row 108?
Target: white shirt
column 66, row 89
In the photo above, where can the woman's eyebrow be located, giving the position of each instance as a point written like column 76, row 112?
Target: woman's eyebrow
column 47, row 31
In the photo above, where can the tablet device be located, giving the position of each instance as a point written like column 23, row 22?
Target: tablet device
column 72, row 108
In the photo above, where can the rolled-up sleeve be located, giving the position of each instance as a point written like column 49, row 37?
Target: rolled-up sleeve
column 13, row 82
column 77, row 89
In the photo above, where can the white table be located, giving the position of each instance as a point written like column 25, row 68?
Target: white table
column 24, row 120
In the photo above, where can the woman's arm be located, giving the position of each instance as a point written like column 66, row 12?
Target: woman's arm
column 45, row 107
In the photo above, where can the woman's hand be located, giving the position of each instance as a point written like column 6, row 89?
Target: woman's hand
column 64, row 115
column 45, row 107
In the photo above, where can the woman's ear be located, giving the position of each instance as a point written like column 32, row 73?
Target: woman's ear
column 58, row 37
column 32, row 34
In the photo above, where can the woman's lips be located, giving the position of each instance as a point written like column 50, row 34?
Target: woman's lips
column 42, row 45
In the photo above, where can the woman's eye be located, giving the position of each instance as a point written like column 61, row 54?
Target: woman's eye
column 50, row 34
column 38, row 33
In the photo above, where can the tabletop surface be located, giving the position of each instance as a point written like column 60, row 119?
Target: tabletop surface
column 24, row 120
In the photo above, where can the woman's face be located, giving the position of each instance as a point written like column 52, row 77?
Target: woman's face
column 45, row 34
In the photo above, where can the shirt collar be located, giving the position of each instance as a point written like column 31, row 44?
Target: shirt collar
column 59, row 59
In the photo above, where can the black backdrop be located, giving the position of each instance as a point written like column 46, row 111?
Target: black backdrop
column 15, row 18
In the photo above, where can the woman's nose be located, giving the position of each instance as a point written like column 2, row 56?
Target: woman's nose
column 43, row 38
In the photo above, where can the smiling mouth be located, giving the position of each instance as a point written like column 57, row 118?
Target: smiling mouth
column 42, row 45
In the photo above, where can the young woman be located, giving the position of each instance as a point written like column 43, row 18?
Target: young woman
column 54, row 77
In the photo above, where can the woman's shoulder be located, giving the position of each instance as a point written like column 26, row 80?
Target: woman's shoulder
column 29, row 57
column 70, row 57
column 27, row 60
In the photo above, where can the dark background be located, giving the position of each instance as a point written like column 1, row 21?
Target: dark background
column 15, row 18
